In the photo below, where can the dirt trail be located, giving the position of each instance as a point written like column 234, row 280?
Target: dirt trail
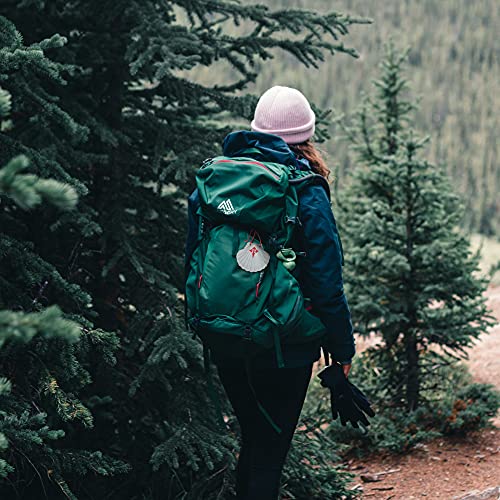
column 484, row 357
column 444, row 468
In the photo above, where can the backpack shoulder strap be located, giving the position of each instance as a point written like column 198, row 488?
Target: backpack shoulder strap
column 301, row 179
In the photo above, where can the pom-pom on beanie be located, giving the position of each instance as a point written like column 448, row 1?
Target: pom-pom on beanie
column 285, row 112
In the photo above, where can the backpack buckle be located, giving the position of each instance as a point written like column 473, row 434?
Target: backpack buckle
column 248, row 333
column 194, row 323
column 273, row 243
column 206, row 161
column 292, row 220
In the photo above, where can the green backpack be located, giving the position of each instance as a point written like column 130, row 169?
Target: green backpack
column 241, row 294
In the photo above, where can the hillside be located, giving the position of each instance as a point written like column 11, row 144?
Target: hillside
column 454, row 67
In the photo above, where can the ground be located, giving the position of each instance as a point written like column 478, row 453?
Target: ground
column 444, row 468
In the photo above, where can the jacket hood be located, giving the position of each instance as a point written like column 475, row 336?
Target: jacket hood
column 262, row 146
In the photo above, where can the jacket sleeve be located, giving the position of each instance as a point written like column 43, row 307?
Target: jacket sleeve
column 192, row 232
column 321, row 272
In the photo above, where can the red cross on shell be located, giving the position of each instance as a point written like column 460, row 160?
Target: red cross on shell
column 253, row 250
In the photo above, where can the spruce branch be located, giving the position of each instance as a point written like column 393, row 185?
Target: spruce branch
column 28, row 190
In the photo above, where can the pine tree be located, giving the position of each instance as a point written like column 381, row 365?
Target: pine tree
column 43, row 350
column 27, row 191
column 113, row 113
column 411, row 275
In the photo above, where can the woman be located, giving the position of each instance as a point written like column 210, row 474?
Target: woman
column 281, row 132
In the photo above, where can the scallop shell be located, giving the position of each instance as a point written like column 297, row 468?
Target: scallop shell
column 252, row 257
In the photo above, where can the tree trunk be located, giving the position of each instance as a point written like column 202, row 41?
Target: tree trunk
column 410, row 334
column 413, row 379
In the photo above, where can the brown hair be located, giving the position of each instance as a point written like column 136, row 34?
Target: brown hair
column 311, row 153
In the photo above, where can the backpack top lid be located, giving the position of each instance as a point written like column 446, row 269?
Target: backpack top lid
column 245, row 192
column 265, row 147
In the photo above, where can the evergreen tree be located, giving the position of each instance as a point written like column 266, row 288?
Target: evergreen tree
column 410, row 272
column 113, row 113
column 18, row 326
column 461, row 88
column 44, row 352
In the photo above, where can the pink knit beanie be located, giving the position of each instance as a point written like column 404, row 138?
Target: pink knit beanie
column 285, row 112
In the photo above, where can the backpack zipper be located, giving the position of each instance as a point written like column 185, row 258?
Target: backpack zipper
column 258, row 284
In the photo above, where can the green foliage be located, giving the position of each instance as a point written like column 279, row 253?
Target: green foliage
column 454, row 64
column 105, row 106
column 49, row 323
column 5, row 103
column 410, row 273
column 411, row 279
column 108, row 107
column 395, row 432
column 469, row 409
column 28, row 191
column 451, row 404
column 43, row 350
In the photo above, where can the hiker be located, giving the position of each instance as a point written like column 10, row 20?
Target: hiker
column 276, row 386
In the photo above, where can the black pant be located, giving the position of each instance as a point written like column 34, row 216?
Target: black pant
column 281, row 391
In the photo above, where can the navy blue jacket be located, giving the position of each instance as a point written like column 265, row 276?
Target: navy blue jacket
column 319, row 272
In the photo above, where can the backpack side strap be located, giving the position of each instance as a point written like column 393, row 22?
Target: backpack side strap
column 211, row 388
column 264, row 412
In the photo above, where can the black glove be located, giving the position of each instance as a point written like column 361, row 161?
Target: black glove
column 347, row 401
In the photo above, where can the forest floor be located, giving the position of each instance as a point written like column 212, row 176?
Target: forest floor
column 444, row 468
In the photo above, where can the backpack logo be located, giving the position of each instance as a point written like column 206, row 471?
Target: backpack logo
column 226, row 207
